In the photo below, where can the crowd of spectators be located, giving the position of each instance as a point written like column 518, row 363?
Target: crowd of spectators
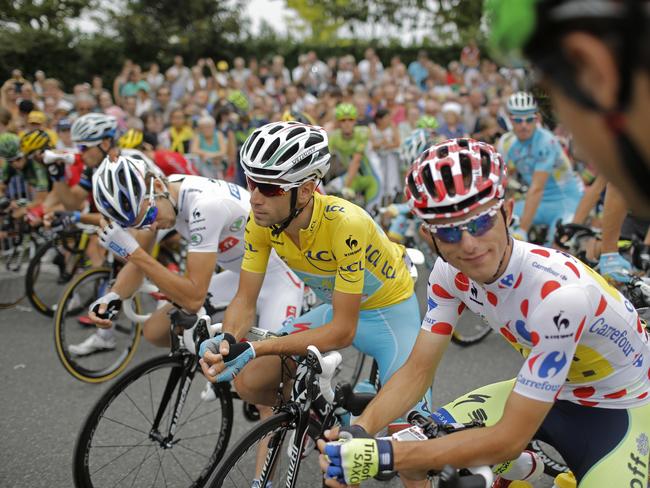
column 207, row 110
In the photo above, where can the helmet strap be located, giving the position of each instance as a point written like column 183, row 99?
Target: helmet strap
column 509, row 242
column 277, row 229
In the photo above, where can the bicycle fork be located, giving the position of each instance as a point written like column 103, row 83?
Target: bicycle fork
column 184, row 376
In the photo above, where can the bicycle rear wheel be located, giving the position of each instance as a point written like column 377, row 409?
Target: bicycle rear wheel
column 244, row 465
column 118, row 445
column 72, row 327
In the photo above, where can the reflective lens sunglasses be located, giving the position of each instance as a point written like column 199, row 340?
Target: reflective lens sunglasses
column 82, row 148
column 266, row 189
column 521, row 120
column 477, row 226
column 152, row 211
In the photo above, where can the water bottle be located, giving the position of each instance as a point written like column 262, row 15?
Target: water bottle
column 50, row 157
column 565, row 480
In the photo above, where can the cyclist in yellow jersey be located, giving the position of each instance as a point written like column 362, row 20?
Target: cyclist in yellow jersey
column 334, row 246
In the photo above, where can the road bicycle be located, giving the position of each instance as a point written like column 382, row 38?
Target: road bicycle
column 152, row 426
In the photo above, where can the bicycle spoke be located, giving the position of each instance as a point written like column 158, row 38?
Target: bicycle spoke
column 138, row 467
column 138, row 408
column 116, row 458
column 198, row 436
column 171, row 452
column 193, row 450
column 118, row 445
column 188, row 421
column 128, row 426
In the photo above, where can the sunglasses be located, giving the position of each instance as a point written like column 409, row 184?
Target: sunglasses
column 82, row 148
column 152, row 211
column 477, row 226
column 347, row 120
column 266, row 189
column 521, row 120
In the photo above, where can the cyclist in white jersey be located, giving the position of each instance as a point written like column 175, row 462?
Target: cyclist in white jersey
column 211, row 215
column 585, row 383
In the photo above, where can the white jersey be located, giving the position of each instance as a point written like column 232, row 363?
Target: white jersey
column 212, row 217
column 582, row 340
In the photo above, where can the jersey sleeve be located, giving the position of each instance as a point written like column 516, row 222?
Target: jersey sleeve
column 207, row 218
column 555, row 327
column 349, row 242
column 546, row 152
column 443, row 308
column 86, row 180
column 257, row 247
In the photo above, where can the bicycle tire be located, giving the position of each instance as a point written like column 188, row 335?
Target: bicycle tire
column 231, row 474
column 123, row 393
column 471, row 332
column 35, row 293
column 82, row 367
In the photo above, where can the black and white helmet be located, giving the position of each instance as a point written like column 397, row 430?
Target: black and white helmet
column 91, row 129
column 521, row 103
column 286, row 154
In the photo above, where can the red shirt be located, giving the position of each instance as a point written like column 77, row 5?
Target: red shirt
column 173, row 163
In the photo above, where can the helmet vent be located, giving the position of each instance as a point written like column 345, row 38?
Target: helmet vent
column 295, row 132
column 486, row 164
column 288, row 154
column 428, row 181
column 257, row 148
column 442, row 152
column 448, row 180
column 270, row 151
column 466, row 169
column 413, row 187
column 275, row 129
column 313, row 140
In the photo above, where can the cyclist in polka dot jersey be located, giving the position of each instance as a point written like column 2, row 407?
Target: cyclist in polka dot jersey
column 584, row 383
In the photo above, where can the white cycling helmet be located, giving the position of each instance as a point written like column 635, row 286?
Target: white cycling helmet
column 91, row 129
column 286, row 154
column 521, row 103
column 415, row 144
column 119, row 188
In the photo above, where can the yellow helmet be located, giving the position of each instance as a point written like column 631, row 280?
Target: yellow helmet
column 301, row 117
column 131, row 139
column 34, row 141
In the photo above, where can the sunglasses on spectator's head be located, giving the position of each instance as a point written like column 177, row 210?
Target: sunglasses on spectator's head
column 521, row 120
column 476, row 226
column 266, row 189
column 152, row 211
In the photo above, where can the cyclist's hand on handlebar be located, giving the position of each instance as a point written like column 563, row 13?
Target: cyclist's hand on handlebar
column 104, row 309
column 355, row 459
column 211, row 352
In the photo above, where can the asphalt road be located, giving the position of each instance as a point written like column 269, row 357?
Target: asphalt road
column 42, row 407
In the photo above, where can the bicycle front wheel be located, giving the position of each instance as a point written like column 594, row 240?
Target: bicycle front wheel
column 122, row 445
column 72, row 327
column 265, row 454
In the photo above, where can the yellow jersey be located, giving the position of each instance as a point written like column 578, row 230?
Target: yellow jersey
column 342, row 249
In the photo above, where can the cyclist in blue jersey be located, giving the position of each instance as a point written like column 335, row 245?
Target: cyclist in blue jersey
column 554, row 190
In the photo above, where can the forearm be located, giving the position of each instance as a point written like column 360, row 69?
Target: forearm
column 473, row 447
column 179, row 289
column 353, row 169
column 533, row 197
column 402, row 391
column 69, row 200
column 239, row 317
column 614, row 213
column 325, row 338
column 128, row 281
column 589, row 200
